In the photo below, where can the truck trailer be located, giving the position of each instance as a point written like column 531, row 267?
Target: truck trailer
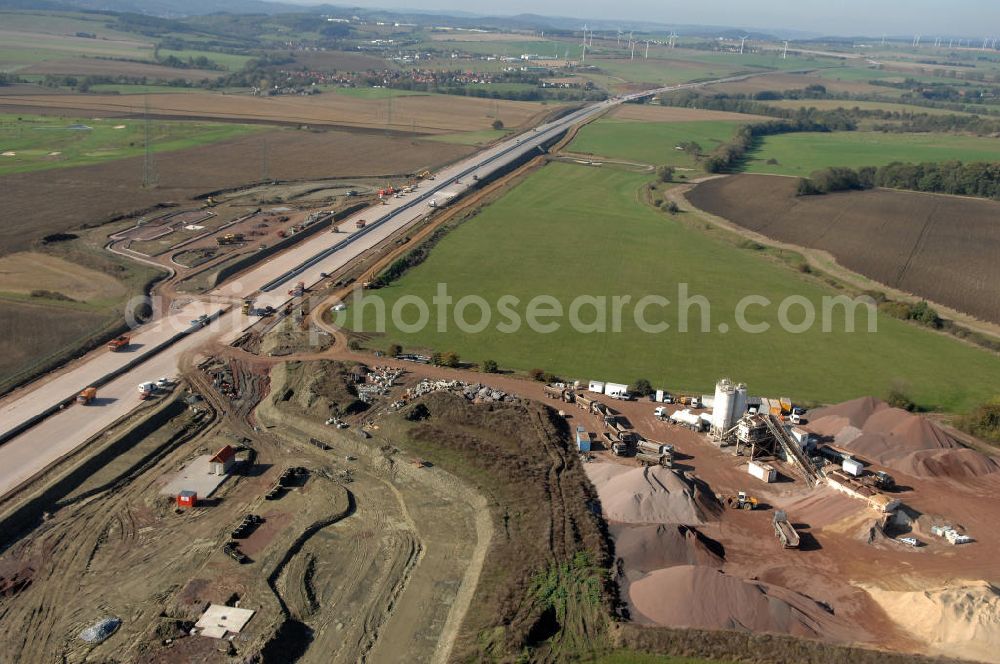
column 784, row 530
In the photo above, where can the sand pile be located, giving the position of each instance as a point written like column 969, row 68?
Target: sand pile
column 702, row 597
column 647, row 548
column 646, row 495
column 958, row 621
column 898, row 440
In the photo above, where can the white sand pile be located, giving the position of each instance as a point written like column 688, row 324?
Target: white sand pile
column 958, row 621
column 647, row 548
column 899, row 440
column 702, row 597
column 645, row 495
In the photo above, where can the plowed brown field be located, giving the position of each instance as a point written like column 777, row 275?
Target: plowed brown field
column 942, row 248
column 36, row 204
column 430, row 114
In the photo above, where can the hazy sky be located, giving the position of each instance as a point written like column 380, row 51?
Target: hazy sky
column 842, row 17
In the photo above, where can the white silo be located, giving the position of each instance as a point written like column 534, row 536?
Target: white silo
column 722, row 408
column 739, row 403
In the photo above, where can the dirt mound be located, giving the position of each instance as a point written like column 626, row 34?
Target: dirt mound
column 899, row 440
column 317, row 389
column 647, row 548
column 831, row 419
column 702, row 597
column 962, row 620
column 646, row 495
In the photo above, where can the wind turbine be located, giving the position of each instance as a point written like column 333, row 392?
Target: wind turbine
column 631, row 42
column 619, row 37
column 985, row 41
column 743, row 40
column 784, row 54
column 916, row 41
column 647, row 49
column 673, row 39
column 883, row 39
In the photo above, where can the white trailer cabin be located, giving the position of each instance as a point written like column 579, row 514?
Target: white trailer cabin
column 615, row 389
column 762, row 471
column 596, row 386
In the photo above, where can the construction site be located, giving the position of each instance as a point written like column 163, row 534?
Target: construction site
column 286, row 495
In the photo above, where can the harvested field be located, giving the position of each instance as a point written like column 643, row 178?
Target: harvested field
column 795, row 82
column 30, row 332
column 428, row 114
column 899, row 440
column 339, row 61
column 90, row 194
column 25, row 272
column 650, row 113
column 458, row 36
column 906, row 240
column 96, row 67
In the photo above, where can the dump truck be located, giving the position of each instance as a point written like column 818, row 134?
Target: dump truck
column 741, row 501
column 647, row 459
column 87, row 396
column 146, row 390
column 652, row 447
column 360, row 223
column 785, row 531
column 299, row 290
column 247, row 306
column 119, row 343
column 554, row 392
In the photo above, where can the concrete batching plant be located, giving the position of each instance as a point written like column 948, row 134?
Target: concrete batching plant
column 728, row 407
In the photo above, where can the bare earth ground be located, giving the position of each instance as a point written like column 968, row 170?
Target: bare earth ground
column 95, row 67
column 939, row 247
column 50, row 201
column 378, row 567
column 650, row 113
column 430, row 114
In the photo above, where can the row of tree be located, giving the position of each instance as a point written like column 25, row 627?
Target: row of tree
column 729, row 155
column 892, row 120
column 979, row 178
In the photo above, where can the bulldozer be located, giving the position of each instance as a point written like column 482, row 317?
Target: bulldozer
column 741, row 501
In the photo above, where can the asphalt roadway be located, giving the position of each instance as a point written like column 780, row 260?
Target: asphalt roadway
column 28, row 453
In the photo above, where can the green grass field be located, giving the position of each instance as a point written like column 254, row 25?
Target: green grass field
column 34, row 142
column 569, row 230
column 801, row 154
column 651, row 142
column 826, row 104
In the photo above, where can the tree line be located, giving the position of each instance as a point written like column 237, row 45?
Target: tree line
column 729, row 155
column 978, row 178
column 892, row 120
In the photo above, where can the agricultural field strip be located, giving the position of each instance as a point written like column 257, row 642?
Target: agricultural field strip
column 19, row 456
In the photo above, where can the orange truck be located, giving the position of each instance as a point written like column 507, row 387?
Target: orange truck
column 119, row 343
column 87, row 396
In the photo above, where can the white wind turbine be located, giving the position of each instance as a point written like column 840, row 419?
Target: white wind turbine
column 743, row 40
